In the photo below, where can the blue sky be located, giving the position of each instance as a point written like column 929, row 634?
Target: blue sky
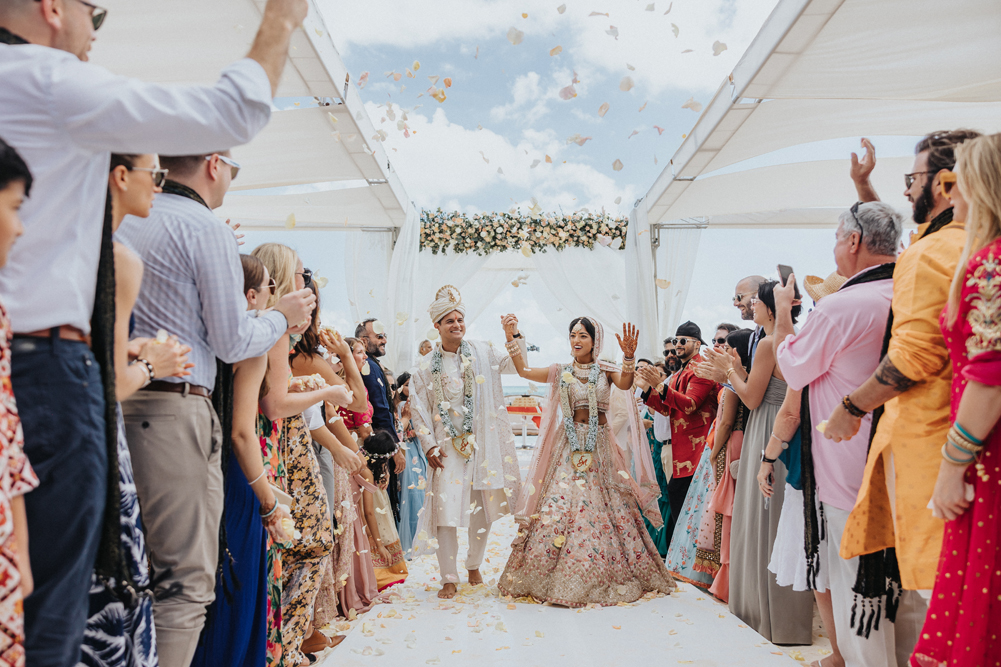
column 474, row 151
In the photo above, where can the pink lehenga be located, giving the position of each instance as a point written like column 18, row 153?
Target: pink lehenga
column 582, row 538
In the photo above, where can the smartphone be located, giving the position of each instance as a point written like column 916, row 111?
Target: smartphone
column 784, row 271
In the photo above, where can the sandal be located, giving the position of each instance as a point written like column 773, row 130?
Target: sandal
column 318, row 641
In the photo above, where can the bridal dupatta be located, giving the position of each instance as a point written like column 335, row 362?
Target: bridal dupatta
column 635, row 459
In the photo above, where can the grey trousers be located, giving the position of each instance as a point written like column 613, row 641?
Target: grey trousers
column 326, row 463
column 176, row 446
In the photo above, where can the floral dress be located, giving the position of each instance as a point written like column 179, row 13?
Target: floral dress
column 681, row 555
column 965, row 609
column 588, row 543
column 274, row 465
column 16, row 478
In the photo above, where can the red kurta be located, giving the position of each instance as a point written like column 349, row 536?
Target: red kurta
column 691, row 404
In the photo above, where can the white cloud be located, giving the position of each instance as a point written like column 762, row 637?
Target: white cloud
column 528, row 100
column 645, row 41
column 441, row 163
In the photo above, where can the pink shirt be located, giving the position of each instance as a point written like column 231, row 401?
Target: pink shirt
column 836, row 351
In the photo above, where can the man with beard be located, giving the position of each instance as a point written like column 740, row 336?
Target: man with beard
column 380, row 394
column 690, row 402
column 908, row 394
column 746, row 290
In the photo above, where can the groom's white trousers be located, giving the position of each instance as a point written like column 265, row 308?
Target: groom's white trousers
column 448, row 543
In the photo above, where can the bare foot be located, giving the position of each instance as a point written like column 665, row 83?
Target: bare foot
column 475, row 578
column 447, row 592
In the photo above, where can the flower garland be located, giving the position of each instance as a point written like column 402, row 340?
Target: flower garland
column 488, row 233
column 592, row 407
column 467, row 389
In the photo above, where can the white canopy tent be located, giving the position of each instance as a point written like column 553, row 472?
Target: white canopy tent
column 328, row 147
column 820, row 70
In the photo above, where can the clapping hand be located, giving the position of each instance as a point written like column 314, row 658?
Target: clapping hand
column 717, row 365
column 628, row 340
column 651, row 375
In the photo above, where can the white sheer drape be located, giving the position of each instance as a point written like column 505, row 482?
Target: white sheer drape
column 641, row 290
column 675, row 264
column 401, row 329
column 367, row 258
column 578, row 281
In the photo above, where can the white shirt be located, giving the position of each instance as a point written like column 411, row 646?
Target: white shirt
column 65, row 117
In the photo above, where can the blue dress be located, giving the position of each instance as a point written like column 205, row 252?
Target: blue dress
column 236, row 624
column 681, row 554
column 120, row 630
column 413, row 477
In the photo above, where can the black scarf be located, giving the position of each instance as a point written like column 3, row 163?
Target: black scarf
column 814, row 525
column 879, row 573
column 7, row 37
column 222, row 402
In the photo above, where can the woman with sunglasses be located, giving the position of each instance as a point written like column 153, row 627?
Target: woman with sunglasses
column 133, row 182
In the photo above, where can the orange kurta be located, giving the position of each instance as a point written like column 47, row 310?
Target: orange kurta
column 915, row 423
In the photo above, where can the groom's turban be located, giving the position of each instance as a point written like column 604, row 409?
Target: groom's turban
column 446, row 300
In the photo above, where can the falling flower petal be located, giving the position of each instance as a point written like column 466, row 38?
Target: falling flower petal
column 644, row 106
column 432, row 334
column 604, row 240
column 598, row 14
column 688, row 51
column 623, row 474
column 567, row 377
column 630, row 67
column 397, row 76
column 434, row 79
column 649, row 7
column 535, row 163
column 559, row 541
column 626, row 84
column 577, row 139
column 692, row 104
column 613, row 31
column 524, row 15
column 438, row 94
column 561, row 8
column 363, row 79
column 617, row 165
column 447, row 81
column 618, row 200
column 378, row 327
column 480, row 379
column 718, row 47
column 659, row 129
column 526, row 251
column 633, row 134
column 662, row 283
column 675, row 29
column 549, row 160
column 499, row 170
column 568, row 93
column 320, row 281
column 365, row 369
column 556, row 50
column 290, row 221
column 603, row 109
column 515, row 36
column 669, row 9
column 822, row 426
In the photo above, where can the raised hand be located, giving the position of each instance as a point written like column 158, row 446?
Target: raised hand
column 629, row 339
column 861, row 169
column 651, row 375
column 235, row 226
column 334, row 343
column 510, row 324
column 785, row 295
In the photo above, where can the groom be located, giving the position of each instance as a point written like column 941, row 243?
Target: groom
column 461, row 421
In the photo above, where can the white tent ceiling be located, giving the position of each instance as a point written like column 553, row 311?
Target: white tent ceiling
column 194, row 40
column 828, row 69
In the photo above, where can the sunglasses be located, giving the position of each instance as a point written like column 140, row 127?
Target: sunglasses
column 740, row 297
column 719, row 341
column 159, row 175
column 854, row 212
column 909, row 178
column 307, row 275
column 234, row 166
column 97, row 14
column 947, row 179
column 670, row 353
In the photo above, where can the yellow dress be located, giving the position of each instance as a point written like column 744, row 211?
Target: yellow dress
column 914, row 424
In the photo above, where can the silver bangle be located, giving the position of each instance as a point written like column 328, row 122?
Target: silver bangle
column 150, row 373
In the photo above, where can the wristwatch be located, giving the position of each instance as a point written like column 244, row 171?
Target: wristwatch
column 765, row 459
column 517, row 335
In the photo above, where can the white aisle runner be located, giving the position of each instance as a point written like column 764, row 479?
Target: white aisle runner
column 415, row 628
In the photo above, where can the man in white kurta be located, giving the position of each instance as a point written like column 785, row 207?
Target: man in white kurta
column 465, row 492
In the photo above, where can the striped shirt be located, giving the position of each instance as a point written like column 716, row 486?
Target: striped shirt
column 192, row 287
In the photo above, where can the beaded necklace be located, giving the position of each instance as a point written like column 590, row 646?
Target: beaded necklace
column 592, row 406
column 467, row 389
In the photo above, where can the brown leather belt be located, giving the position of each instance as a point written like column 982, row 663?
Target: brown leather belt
column 66, row 332
column 178, row 388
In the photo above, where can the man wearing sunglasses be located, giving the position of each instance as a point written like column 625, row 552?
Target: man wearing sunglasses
column 65, row 117
column 909, row 392
column 690, row 402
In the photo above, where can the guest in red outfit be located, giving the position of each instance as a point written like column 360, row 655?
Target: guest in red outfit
column 690, row 402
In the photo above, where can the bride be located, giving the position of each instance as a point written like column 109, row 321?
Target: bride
column 582, row 539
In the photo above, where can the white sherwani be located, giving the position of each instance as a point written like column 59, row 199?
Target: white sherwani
column 489, row 479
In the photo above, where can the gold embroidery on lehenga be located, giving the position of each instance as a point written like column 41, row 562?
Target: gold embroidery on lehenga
column 984, row 316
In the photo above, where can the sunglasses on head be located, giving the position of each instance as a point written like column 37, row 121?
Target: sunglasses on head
column 234, row 166
column 854, row 211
